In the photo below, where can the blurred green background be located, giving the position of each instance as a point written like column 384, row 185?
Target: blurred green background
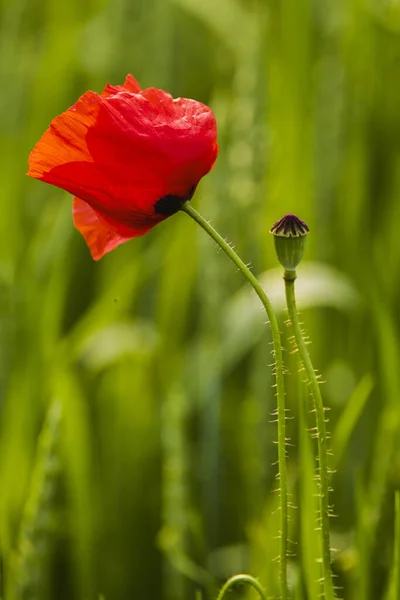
column 136, row 444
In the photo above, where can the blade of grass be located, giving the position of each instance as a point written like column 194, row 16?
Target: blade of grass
column 350, row 417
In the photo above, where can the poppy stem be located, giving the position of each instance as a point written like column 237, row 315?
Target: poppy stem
column 321, row 434
column 280, row 390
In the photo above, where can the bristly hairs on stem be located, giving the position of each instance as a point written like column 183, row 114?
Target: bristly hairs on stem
column 290, row 237
column 322, row 476
column 280, row 390
column 241, row 579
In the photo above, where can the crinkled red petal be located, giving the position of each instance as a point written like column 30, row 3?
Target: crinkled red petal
column 130, row 85
column 101, row 236
column 89, row 152
column 65, row 141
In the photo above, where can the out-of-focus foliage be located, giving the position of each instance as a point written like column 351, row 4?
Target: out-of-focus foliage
column 136, row 448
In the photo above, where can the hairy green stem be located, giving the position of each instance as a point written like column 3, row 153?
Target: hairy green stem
column 289, row 278
column 280, row 390
column 241, row 579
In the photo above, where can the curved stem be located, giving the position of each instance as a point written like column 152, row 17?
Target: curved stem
column 241, row 579
column 289, row 278
column 280, row 391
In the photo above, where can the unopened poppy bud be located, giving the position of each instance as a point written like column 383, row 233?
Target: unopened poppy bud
column 290, row 240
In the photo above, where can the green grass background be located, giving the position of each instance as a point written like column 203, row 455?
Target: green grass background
column 136, row 443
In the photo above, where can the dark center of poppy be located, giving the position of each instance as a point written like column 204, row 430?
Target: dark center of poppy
column 170, row 204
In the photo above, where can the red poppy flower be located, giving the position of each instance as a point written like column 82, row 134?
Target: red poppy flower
column 130, row 157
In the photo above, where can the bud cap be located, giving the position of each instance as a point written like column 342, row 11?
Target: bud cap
column 290, row 226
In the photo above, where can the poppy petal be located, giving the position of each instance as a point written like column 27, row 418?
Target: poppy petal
column 65, row 140
column 175, row 138
column 99, row 234
column 88, row 152
column 130, row 85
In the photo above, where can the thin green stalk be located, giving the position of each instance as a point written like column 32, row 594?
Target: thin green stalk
column 280, row 391
column 241, row 579
column 289, row 278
